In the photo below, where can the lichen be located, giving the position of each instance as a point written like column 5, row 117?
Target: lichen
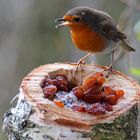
column 125, row 127
column 16, row 119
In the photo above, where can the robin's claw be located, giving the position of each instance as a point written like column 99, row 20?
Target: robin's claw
column 81, row 61
column 109, row 71
column 79, row 64
column 110, row 68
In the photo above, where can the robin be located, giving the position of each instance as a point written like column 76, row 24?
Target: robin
column 94, row 31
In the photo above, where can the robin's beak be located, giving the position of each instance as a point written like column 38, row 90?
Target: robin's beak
column 63, row 21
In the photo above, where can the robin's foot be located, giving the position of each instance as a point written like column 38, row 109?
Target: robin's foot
column 109, row 71
column 81, row 61
column 79, row 64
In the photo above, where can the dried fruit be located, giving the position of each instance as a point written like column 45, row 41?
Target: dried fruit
column 79, row 108
column 78, row 91
column 101, row 80
column 98, row 74
column 111, row 99
column 49, row 91
column 107, row 107
column 61, row 83
column 54, row 81
column 42, row 83
column 100, row 99
column 119, row 93
column 93, row 98
column 71, row 85
column 62, row 75
column 108, row 90
column 93, row 90
column 96, row 108
column 61, row 80
column 58, row 103
column 48, row 82
column 50, row 88
column 89, row 83
column 49, row 96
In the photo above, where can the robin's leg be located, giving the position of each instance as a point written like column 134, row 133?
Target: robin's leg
column 81, row 61
column 110, row 68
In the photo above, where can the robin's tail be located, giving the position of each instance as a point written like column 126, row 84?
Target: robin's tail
column 127, row 46
column 124, row 43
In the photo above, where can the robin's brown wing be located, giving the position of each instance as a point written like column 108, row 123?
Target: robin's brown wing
column 109, row 30
column 112, row 32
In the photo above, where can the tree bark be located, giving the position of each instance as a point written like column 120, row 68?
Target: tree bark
column 35, row 117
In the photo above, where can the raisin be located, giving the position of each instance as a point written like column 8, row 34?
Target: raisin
column 48, row 82
column 61, row 80
column 96, row 109
column 54, row 82
column 101, row 80
column 50, row 88
column 61, row 83
column 111, row 99
column 71, row 85
column 108, row 90
column 98, row 74
column 93, row 98
column 63, row 88
column 58, row 103
column 79, row 108
column 94, row 89
column 78, row 91
column 62, row 75
column 107, row 107
column 49, row 91
column 89, row 82
column 42, row 83
column 119, row 93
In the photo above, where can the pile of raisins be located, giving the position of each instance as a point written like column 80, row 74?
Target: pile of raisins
column 98, row 98
column 52, row 86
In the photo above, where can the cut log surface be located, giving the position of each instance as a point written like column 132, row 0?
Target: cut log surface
column 119, row 124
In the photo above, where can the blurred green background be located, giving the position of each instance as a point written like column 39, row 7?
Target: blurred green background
column 28, row 38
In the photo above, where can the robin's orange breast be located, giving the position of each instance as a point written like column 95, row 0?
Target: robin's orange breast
column 87, row 40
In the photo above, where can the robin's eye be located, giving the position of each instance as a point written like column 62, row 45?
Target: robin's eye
column 77, row 19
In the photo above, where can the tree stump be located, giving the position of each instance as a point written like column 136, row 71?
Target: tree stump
column 36, row 117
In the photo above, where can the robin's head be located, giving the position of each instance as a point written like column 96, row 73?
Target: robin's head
column 75, row 18
column 80, row 16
